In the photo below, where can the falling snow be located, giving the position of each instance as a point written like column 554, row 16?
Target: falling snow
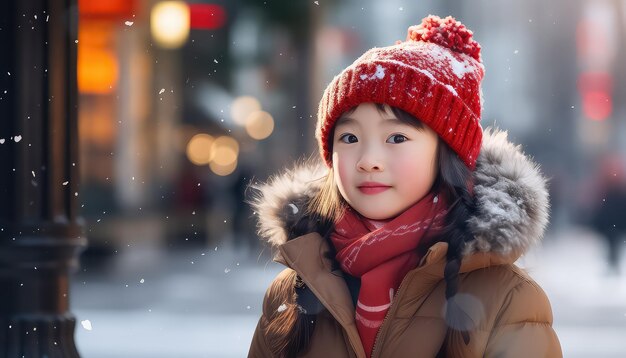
column 86, row 324
column 281, row 308
column 129, row 23
column 162, row 91
column 17, row 138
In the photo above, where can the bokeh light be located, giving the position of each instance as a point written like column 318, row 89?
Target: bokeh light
column 224, row 155
column 224, row 151
column 199, row 149
column 223, row 170
column 259, row 125
column 242, row 107
column 169, row 23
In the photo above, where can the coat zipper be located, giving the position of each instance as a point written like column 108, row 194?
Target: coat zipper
column 380, row 330
column 393, row 304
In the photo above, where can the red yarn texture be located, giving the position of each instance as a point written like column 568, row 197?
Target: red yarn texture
column 445, row 32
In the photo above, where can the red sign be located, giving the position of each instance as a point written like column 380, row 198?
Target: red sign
column 596, row 92
column 206, row 16
column 109, row 9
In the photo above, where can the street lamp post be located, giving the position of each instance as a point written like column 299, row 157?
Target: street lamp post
column 40, row 237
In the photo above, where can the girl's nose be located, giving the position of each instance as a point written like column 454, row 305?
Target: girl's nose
column 368, row 164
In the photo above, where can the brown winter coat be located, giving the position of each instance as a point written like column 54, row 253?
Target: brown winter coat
column 511, row 314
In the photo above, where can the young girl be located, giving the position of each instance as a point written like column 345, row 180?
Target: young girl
column 404, row 245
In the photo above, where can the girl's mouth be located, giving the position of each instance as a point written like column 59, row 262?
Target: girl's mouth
column 371, row 188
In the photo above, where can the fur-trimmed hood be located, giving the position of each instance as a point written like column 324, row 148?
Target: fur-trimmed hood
column 510, row 193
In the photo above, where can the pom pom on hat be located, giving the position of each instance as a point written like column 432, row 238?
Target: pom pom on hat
column 434, row 75
column 447, row 33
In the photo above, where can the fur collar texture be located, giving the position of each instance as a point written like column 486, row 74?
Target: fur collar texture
column 510, row 193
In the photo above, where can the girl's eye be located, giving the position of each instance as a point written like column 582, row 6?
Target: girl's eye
column 397, row 138
column 348, row 138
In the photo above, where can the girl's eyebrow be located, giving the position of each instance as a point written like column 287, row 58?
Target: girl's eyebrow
column 344, row 121
column 349, row 120
column 393, row 120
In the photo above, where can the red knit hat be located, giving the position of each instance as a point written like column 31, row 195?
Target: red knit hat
column 434, row 75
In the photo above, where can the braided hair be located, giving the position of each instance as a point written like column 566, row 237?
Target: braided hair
column 454, row 181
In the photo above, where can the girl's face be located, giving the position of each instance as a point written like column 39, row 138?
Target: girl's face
column 382, row 165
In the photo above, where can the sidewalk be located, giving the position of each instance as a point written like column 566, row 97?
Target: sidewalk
column 206, row 303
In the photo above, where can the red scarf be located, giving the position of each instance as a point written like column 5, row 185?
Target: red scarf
column 382, row 256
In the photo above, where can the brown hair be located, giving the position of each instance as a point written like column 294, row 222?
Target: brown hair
column 288, row 331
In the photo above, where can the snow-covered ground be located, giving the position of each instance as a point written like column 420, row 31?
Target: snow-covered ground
column 205, row 303
column 588, row 303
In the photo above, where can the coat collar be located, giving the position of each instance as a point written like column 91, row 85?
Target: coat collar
column 307, row 255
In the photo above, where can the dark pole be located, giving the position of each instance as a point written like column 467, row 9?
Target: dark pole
column 40, row 237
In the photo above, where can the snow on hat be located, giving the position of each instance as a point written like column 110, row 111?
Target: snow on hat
column 434, row 75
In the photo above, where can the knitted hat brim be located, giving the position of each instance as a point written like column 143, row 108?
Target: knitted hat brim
column 431, row 101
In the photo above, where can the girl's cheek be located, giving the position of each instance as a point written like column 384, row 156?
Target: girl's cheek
column 404, row 163
column 412, row 169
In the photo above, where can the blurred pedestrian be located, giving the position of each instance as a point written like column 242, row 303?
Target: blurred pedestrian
column 609, row 216
column 243, row 229
column 404, row 245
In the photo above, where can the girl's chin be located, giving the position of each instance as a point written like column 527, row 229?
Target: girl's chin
column 379, row 215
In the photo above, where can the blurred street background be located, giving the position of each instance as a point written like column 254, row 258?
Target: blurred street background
column 184, row 103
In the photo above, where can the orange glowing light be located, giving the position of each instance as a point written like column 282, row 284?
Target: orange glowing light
column 97, row 62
